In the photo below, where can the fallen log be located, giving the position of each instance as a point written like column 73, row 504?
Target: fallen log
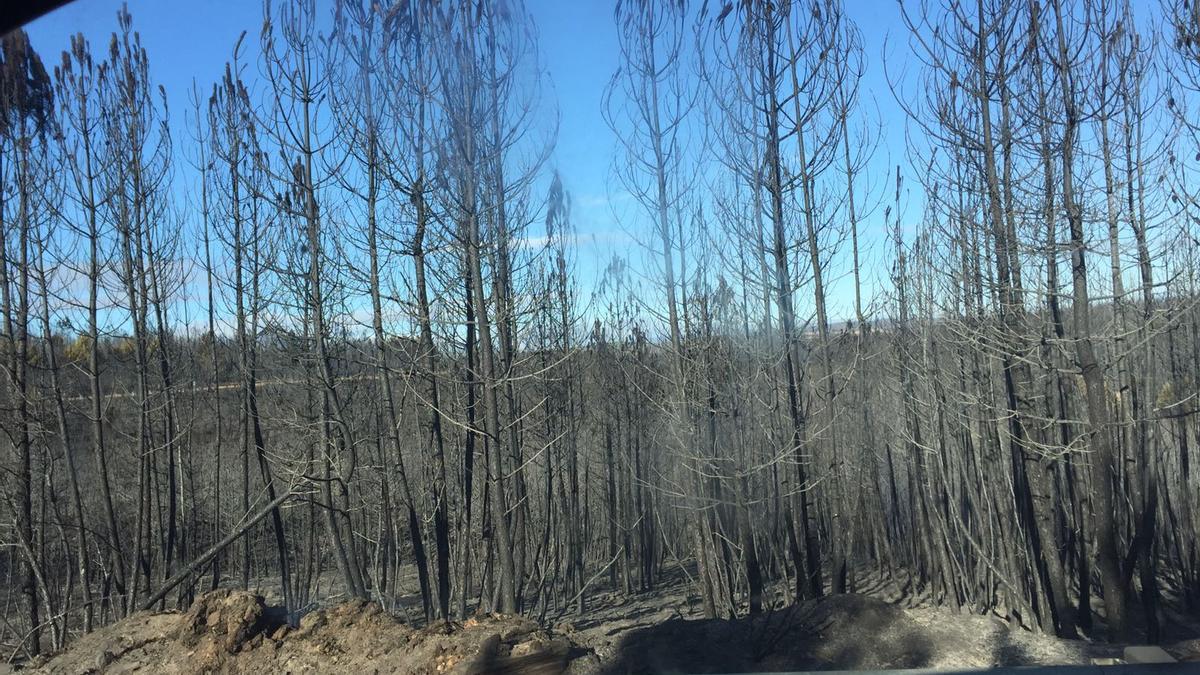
column 216, row 548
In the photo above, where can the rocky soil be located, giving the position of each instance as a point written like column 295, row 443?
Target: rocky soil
column 236, row 632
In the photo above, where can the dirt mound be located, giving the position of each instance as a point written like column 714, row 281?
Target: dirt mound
column 847, row 631
column 841, row 632
column 235, row 632
column 224, row 621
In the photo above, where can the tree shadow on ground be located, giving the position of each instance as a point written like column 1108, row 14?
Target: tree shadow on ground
column 839, row 632
column 1007, row 652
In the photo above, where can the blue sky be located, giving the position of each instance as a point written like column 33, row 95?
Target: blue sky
column 189, row 42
